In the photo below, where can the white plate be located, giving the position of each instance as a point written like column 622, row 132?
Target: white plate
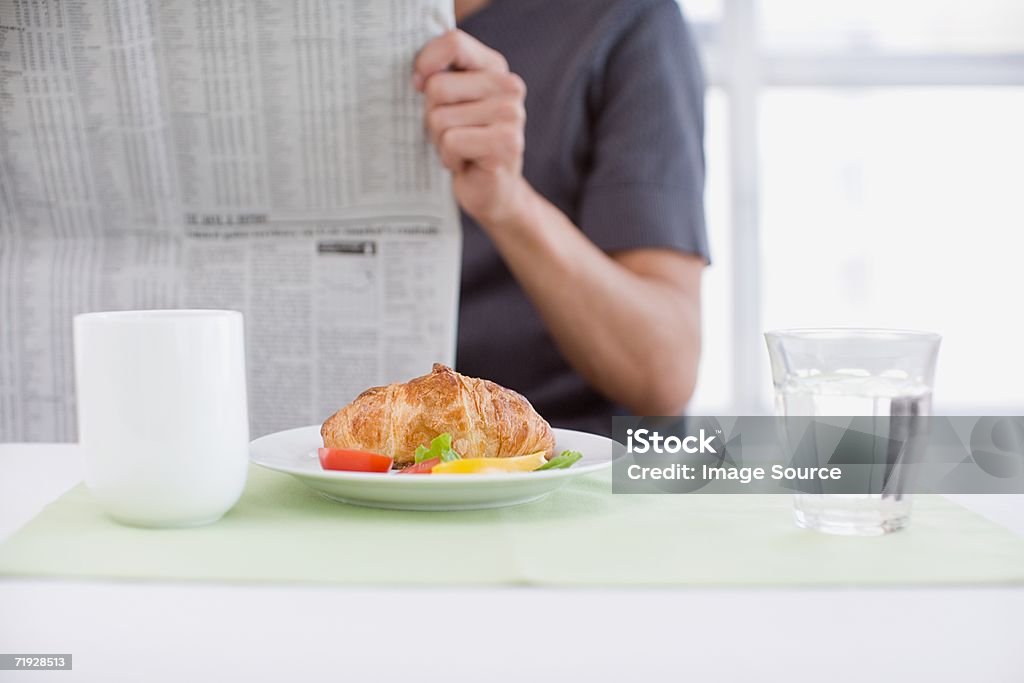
column 295, row 452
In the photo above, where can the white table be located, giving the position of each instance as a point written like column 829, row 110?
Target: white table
column 148, row 631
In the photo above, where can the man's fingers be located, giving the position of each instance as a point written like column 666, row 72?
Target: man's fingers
column 452, row 87
column 455, row 50
column 487, row 146
column 504, row 109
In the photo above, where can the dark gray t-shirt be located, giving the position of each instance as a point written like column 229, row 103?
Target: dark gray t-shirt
column 614, row 138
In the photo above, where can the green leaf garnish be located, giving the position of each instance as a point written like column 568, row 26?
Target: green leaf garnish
column 562, row 461
column 440, row 447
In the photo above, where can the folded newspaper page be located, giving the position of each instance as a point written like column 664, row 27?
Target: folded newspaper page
column 267, row 157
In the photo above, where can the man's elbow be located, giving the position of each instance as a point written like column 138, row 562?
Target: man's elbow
column 666, row 392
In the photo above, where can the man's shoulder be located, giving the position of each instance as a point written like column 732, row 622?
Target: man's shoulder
column 622, row 11
column 583, row 22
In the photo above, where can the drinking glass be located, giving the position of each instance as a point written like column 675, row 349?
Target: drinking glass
column 162, row 413
column 886, row 374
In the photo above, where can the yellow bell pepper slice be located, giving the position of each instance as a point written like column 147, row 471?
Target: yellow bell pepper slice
column 519, row 463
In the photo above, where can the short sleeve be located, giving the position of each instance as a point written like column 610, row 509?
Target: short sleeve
column 645, row 184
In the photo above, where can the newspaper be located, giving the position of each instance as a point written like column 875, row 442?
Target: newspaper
column 267, row 157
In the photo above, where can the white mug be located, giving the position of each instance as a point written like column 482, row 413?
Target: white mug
column 162, row 413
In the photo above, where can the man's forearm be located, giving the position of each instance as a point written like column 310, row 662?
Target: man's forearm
column 629, row 324
column 633, row 335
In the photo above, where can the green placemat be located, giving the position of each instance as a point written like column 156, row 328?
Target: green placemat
column 581, row 535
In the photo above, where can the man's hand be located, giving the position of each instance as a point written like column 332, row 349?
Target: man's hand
column 475, row 115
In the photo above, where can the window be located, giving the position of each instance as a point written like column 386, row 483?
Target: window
column 865, row 168
column 895, row 26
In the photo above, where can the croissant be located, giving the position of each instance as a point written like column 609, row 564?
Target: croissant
column 484, row 419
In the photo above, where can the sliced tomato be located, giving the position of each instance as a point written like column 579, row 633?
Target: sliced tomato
column 354, row 461
column 422, row 467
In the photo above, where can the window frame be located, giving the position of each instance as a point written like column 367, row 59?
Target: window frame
column 736, row 62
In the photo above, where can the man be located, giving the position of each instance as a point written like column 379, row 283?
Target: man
column 583, row 225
